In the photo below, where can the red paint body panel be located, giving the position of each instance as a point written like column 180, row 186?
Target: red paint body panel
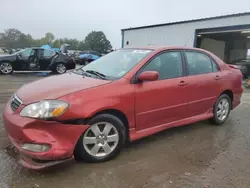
column 149, row 107
column 153, row 100
column 118, row 95
column 62, row 138
column 56, row 86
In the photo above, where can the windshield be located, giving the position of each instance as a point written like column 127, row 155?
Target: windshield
column 117, row 63
column 20, row 51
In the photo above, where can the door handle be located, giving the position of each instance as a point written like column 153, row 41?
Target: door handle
column 182, row 83
column 217, row 77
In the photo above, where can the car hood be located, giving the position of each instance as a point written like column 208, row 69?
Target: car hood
column 7, row 57
column 54, row 87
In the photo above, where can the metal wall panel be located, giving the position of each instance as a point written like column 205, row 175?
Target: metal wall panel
column 177, row 34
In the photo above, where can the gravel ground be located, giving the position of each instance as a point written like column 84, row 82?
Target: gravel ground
column 197, row 155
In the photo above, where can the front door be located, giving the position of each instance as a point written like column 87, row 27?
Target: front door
column 163, row 101
column 204, row 82
column 24, row 58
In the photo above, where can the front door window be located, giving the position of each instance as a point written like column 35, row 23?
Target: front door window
column 27, row 52
column 168, row 65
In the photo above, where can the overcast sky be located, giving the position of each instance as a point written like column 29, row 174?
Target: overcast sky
column 76, row 18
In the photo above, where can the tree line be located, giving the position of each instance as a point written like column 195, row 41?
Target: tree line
column 95, row 40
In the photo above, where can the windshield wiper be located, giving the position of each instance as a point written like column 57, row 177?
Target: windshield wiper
column 81, row 72
column 100, row 75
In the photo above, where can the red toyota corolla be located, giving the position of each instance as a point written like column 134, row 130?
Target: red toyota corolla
column 90, row 113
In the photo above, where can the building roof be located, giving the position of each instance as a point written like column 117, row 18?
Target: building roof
column 188, row 21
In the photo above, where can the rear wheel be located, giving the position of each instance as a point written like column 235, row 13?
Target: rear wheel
column 6, row 68
column 221, row 109
column 102, row 141
column 247, row 83
column 60, row 68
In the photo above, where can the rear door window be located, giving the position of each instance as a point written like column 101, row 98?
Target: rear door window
column 199, row 63
column 215, row 67
column 48, row 53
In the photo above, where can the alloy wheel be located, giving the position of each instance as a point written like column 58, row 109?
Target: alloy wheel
column 223, row 109
column 100, row 139
column 6, row 68
column 61, row 68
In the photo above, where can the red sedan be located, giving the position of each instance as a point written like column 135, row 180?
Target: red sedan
column 90, row 113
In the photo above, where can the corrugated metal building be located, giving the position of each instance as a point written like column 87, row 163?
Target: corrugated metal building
column 226, row 36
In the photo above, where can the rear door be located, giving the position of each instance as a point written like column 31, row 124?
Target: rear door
column 204, row 82
column 45, row 57
column 163, row 101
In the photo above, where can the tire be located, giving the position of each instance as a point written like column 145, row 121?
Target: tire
column 247, row 83
column 60, row 68
column 6, row 67
column 220, row 119
column 87, row 152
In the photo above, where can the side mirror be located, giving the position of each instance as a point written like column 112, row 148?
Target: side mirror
column 148, row 76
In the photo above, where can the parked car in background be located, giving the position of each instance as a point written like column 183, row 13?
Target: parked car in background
column 3, row 51
column 86, row 57
column 243, row 65
column 125, row 95
column 35, row 59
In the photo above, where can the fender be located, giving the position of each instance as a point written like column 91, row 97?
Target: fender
column 56, row 59
column 82, row 109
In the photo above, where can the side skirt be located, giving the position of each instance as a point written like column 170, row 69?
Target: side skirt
column 135, row 135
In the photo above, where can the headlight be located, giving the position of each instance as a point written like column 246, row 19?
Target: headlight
column 45, row 109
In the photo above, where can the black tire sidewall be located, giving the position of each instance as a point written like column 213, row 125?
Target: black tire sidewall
column 215, row 118
column 80, row 152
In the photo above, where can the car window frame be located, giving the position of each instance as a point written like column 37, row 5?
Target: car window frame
column 31, row 50
column 47, row 57
column 134, row 80
column 212, row 60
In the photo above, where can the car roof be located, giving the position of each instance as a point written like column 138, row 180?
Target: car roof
column 164, row 48
column 34, row 48
column 38, row 48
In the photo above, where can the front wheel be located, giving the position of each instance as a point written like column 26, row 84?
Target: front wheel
column 221, row 109
column 102, row 141
column 6, row 68
column 60, row 68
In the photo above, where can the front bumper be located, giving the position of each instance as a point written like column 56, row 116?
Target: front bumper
column 61, row 138
column 32, row 163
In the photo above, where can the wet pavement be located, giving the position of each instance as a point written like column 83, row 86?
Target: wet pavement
column 198, row 155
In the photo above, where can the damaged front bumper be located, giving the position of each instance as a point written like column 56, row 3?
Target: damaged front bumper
column 61, row 139
column 30, row 163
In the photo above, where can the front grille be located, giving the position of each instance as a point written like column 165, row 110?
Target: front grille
column 15, row 103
